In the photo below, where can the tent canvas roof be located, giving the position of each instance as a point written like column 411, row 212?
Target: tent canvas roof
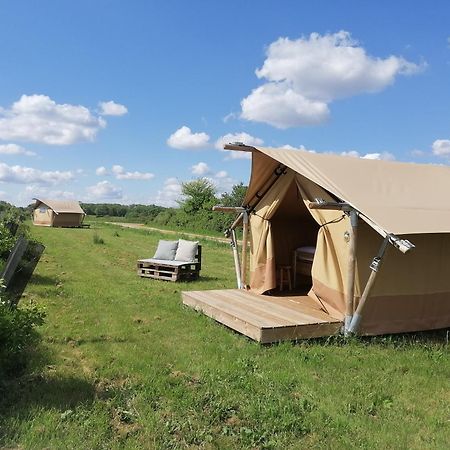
column 61, row 206
column 400, row 198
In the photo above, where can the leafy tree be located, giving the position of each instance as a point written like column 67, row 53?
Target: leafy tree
column 235, row 197
column 198, row 195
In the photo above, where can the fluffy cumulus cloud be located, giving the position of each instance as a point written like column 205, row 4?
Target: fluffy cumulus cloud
column 169, row 194
column 301, row 147
column 200, row 169
column 303, row 76
column 386, row 156
column 280, row 105
column 28, row 175
column 112, row 109
column 441, row 147
column 38, row 118
column 121, row 174
column 104, row 190
column 14, row 149
column 222, row 181
column 35, row 190
column 245, row 138
column 185, row 139
column 101, row 171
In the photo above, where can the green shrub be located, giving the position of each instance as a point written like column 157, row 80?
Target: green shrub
column 7, row 241
column 17, row 335
column 17, row 325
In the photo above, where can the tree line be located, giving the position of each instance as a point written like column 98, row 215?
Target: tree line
column 194, row 211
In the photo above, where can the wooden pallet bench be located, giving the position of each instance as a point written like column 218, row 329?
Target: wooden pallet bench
column 161, row 269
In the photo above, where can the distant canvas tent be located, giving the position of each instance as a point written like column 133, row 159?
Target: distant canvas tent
column 58, row 213
column 357, row 214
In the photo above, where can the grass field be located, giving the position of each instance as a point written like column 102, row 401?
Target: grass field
column 123, row 364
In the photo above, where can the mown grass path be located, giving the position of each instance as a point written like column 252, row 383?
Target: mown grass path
column 123, row 364
column 141, row 226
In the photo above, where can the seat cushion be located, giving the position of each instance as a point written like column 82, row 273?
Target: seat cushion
column 166, row 250
column 163, row 262
column 186, row 251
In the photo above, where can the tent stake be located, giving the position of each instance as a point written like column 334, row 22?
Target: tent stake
column 350, row 288
column 374, row 267
column 244, row 251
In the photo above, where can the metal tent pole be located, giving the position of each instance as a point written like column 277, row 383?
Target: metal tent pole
column 244, row 251
column 374, row 267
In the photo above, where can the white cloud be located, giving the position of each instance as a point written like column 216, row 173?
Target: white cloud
column 352, row 153
column 37, row 118
column 101, row 171
column 200, row 169
column 386, row 156
column 281, row 106
column 417, row 153
column 26, row 175
column 441, row 147
column 245, row 138
column 105, row 190
column 185, row 139
column 169, row 194
column 230, row 116
column 221, row 174
column 121, row 174
column 301, row 148
column 222, row 182
column 112, row 109
column 14, row 149
column 44, row 192
column 303, row 76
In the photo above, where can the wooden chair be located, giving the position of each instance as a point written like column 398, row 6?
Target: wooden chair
column 161, row 269
column 285, row 277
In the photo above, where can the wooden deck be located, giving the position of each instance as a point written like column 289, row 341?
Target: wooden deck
column 264, row 318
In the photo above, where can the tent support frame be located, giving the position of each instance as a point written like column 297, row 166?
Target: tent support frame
column 374, row 267
column 352, row 317
column 244, row 250
column 241, row 269
column 350, row 287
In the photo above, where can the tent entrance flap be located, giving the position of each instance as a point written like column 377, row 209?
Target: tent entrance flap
column 283, row 222
column 280, row 223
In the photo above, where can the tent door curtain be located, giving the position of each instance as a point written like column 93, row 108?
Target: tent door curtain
column 283, row 222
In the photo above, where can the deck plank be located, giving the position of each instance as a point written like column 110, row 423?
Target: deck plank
column 300, row 302
column 271, row 317
column 281, row 308
column 242, row 311
column 264, row 318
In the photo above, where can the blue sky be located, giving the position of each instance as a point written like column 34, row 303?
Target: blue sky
column 114, row 101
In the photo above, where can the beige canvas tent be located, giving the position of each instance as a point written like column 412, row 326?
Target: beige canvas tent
column 380, row 230
column 58, row 213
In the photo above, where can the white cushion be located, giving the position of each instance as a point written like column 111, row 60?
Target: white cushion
column 186, row 251
column 166, row 250
column 164, row 262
